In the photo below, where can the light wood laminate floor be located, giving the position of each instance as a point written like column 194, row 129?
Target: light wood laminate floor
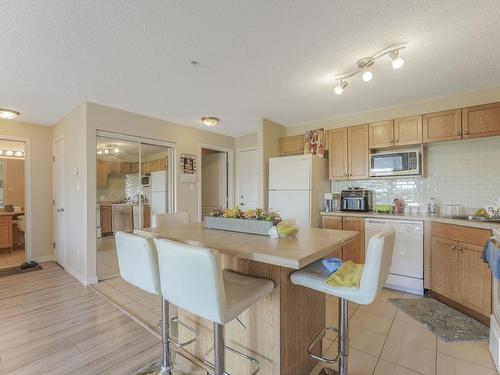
column 51, row 324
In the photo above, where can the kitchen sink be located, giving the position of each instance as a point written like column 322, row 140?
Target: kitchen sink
column 477, row 218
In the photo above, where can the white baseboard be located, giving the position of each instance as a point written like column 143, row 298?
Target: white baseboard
column 494, row 342
column 45, row 258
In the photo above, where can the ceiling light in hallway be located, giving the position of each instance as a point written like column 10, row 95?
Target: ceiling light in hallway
column 8, row 114
column 210, row 121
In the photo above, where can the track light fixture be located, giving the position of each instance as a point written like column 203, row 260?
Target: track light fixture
column 365, row 63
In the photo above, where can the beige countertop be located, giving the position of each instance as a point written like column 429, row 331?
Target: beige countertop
column 3, row 213
column 310, row 245
column 424, row 217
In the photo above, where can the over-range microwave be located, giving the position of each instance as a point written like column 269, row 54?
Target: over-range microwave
column 396, row 163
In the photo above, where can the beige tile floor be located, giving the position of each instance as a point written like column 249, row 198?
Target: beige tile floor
column 107, row 260
column 9, row 259
column 383, row 339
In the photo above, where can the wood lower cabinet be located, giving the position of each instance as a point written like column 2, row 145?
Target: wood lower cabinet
column 122, row 218
column 355, row 250
column 381, row 134
column 481, row 120
column 442, row 126
column 6, row 240
column 408, row 131
column 293, row 145
column 106, row 221
column 348, row 153
column 457, row 272
column 146, row 217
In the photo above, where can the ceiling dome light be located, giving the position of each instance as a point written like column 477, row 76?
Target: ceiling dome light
column 9, row 153
column 340, row 88
column 367, row 76
column 397, row 62
column 8, row 114
column 210, row 121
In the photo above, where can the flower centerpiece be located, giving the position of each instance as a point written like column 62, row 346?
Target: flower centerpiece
column 255, row 221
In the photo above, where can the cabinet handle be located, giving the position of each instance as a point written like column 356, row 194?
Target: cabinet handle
column 453, row 247
column 459, row 133
column 344, row 221
column 466, row 132
column 459, row 248
column 397, row 140
column 391, row 141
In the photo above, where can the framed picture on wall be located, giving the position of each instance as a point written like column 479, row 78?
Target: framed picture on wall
column 188, row 168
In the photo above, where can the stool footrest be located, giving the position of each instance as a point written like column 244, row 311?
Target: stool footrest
column 318, row 338
column 175, row 319
column 252, row 360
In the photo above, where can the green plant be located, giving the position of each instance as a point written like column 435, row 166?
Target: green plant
column 238, row 213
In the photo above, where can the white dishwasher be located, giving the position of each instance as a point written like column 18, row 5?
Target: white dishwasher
column 407, row 270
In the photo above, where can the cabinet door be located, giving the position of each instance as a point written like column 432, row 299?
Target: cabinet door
column 354, row 250
column 408, row 131
column 124, row 167
column 127, row 220
column 442, row 126
column 146, row 217
column 106, row 226
column 291, row 145
column 445, row 278
column 358, row 152
column 102, row 174
column 481, row 120
column 475, row 279
column 337, row 154
column 381, row 134
column 332, row 222
column 5, row 232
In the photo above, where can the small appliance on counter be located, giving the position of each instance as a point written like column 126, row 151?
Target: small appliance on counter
column 332, row 202
column 396, row 163
column 356, row 199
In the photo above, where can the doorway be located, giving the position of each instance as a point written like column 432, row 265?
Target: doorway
column 135, row 180
column 247, row 178
column 13, row 202
column 214, row 177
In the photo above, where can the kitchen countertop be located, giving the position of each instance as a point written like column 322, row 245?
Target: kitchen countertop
column 423, row 217
column 3, row 213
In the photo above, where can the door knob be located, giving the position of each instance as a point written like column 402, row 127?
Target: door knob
column 60, row 210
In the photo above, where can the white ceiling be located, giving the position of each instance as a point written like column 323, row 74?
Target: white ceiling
column 260, row 58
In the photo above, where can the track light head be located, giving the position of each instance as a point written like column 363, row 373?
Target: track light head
column 397, row 62
column 340, row 88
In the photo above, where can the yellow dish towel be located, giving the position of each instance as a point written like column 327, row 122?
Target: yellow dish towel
column 347, row 276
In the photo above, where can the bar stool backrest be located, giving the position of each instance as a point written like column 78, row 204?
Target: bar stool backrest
column 377, row 265
column 138, row 261
column 191, row 278
column 159, row 220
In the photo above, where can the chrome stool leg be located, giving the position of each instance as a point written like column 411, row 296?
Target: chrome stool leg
column 218, row 349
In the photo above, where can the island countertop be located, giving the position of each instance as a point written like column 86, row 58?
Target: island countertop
column 310, row 245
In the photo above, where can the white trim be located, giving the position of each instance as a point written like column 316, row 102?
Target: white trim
column 45, row 258
column 28, row 234
column 134, row 138
column 237, row 174
column 230, row 173
column 54, row 215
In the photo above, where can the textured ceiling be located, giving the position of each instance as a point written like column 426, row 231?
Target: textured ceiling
column 261, row 58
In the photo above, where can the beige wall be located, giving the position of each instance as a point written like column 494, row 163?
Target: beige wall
column 246, row 141
column 428, row 106
column 268, row 134
column 40, row 172
column 14, row 182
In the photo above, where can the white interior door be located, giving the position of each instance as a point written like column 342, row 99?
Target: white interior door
column 247, row 179
column 214, row 181
column 60, row 251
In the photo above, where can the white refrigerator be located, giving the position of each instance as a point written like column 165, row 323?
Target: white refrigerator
column 158, row 201
column 296, row 188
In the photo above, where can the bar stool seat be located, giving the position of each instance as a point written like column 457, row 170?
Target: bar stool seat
column 374, row 275
column 192, row 278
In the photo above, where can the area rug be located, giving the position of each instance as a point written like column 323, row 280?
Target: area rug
column 17, row 269
column 445, row 322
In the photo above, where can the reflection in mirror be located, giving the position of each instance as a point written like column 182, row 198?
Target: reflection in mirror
column 2, row 173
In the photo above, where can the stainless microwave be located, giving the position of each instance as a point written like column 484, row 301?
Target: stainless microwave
column 396, row 163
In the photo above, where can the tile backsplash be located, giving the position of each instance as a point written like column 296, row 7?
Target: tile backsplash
column 459, row 172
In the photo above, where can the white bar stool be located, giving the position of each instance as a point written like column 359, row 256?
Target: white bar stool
column 160, row 220
column 375, row 273
column 192, row 278
column 138, row 262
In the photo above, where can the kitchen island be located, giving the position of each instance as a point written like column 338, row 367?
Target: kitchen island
column 280, row 326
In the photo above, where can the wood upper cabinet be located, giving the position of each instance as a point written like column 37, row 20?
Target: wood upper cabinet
column 457, row 271
column 293, row 145
column 354, row 250
column 337, row 154
column 358, row 152
column 134, row 167
column 408, row 131
column 102, row 174
column 476, row 283
column 106, row 223
column 381, row 134
column 481, row 120
column 348, row 153
column 124, row 167
column 442, row 126
column 6, row 232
